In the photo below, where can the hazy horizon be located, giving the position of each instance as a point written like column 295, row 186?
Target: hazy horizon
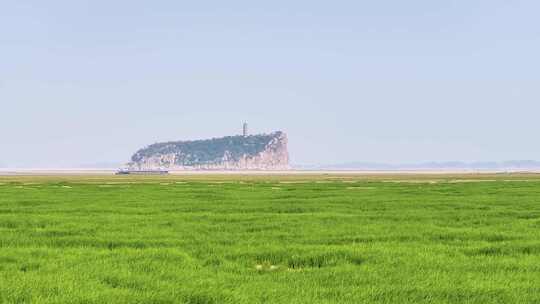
column 392, row 82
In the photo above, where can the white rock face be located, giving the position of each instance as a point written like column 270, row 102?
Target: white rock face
column 274, row 156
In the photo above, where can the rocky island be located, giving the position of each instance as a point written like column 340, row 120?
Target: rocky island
column 241, row 152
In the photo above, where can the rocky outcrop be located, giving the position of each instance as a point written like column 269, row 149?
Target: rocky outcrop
column 253, row 152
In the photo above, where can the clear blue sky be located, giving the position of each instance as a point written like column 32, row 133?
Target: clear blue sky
column 388, row 81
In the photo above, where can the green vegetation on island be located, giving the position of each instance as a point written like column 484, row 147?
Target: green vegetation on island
column 195, row 152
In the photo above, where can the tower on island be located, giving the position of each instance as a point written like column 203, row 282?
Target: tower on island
column 245, row 129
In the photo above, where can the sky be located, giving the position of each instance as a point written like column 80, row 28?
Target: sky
column 90, row 82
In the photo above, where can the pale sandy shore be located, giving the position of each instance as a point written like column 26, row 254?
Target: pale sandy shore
column 78, row 171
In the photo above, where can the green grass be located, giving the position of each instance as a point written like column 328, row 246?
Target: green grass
column 270, row 239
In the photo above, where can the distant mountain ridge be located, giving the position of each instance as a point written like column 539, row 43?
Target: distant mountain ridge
column 251, row 152
column 513, row 165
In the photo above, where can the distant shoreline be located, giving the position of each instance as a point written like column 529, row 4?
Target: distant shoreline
column 98, row 171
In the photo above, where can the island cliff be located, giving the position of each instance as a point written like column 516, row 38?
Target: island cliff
column 252, row 152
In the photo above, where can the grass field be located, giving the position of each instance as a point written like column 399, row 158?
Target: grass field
column 270, row 239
